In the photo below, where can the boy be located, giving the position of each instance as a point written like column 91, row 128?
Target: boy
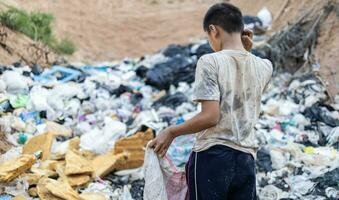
column 228, row 84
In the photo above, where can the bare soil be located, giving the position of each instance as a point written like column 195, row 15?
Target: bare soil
column 108, row 29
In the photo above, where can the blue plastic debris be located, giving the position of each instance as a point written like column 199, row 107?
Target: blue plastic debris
column 5, row 197
column 26, row 116
column 180, row 121
column 94, row 68
column 62, row 74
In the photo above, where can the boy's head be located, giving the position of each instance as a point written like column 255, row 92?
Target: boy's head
column 222, row 18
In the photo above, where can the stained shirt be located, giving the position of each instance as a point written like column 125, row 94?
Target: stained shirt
column 236, row 79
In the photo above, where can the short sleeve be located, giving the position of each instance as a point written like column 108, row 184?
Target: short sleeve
column 206, row 86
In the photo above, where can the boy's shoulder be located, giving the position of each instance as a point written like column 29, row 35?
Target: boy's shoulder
column 210, row 58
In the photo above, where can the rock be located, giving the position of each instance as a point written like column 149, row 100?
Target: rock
column 13, row 168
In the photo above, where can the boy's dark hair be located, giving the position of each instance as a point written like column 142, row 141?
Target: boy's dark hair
column 225, row 15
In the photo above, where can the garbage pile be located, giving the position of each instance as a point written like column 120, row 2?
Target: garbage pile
column 79, row 131
column 299, row 137
column 67, row 129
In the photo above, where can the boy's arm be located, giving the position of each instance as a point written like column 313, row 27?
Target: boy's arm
column 208, row 117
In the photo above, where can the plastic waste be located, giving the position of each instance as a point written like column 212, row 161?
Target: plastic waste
column 264, row 162
column 19, row 101
column 172, row 101
column 333, row 137
column 278, row 159
column 15, row 82
column 22, row 138
column 100, row 141
column 175, row 70
column 162, row 179
column 5, row 197
column 265, row 17
column 58, row 73
column 3, row 86
column 174, row 50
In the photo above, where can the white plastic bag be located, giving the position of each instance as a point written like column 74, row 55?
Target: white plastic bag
column 163, row 180
column 265, row 16
column 100, row 141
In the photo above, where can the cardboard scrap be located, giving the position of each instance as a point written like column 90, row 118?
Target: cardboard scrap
column 48, row 165
column 73, row 180
column 33, row 192
column 19, row 197
column 106, row 163
column 78, row 180
column 74, row 143
column 4, row 144
column 92, row 196
column 43, row 172
column 89, row 155
column 134, row 146
column 49, row 189
column 134, row 160
column 135, row 142
column 58, row 130
column 32, row 179
column 42, row 143
column 13, row 168
column 77, row 164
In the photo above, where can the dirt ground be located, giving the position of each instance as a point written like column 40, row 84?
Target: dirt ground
column 107, row 29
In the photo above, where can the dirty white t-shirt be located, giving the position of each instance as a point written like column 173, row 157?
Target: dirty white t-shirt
column 237, row 80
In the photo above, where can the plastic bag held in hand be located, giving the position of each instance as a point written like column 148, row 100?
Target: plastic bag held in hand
column 163, row 180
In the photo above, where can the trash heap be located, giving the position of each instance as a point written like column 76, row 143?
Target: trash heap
column 79, row 131
column 67, row 129
column 298, row 133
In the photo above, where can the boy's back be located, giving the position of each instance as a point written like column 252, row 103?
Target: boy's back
column 236, row 79
column 229, row 85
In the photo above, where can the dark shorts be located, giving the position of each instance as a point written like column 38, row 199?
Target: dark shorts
column 222, row 173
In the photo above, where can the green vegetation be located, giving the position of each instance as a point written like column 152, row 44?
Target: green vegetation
column 65, row 46
column 37, row 26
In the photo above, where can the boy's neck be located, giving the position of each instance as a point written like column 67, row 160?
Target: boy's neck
column 232, row 42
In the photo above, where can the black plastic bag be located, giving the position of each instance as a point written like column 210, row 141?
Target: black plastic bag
column 202, row 50
column 171, row 101
column 175, row 70
column 264, row 162
column 174, row 50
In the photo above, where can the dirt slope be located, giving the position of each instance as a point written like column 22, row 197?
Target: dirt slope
column 107, row 29
column 16, row 47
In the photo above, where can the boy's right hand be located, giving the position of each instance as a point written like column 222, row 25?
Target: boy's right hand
column 161, row 143
column 246, row 39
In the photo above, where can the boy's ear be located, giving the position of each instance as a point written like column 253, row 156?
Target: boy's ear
column 213, row 30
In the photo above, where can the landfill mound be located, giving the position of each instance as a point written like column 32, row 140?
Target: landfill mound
column 72, row 128
column 80, row 131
